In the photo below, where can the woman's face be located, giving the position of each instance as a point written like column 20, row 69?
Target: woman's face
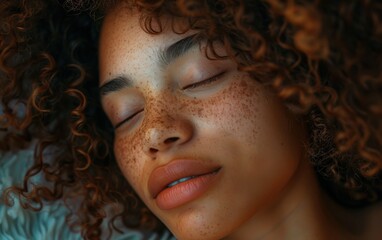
column 204, row 146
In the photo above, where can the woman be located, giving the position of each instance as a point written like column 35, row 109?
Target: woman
column 228, row 119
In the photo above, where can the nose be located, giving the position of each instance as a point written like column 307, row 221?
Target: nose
column 166, row 132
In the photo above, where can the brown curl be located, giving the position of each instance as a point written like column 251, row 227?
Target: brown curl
column 322, row 58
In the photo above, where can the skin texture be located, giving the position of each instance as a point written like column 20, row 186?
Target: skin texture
column 265, row 184
column 324, row 58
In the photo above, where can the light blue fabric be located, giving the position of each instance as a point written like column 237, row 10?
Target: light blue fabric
column 18, row 224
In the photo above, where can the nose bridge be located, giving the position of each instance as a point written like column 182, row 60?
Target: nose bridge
column 161, row 111
column 160, row 118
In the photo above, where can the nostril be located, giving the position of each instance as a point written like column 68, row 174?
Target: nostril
column 153, row 150
column 171, row 140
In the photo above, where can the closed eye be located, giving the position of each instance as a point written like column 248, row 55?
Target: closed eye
column 204, row 82
column 127, row 119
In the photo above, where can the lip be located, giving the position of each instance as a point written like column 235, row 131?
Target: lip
column 162, row 176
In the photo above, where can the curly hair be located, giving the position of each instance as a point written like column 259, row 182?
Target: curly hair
column 322, row 58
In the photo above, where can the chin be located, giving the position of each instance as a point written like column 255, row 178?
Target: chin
column 199, row 233
column 201, row 224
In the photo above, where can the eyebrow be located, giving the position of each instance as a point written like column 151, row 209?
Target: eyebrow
column 114, row 84
column 168, row 55
column 177, row 49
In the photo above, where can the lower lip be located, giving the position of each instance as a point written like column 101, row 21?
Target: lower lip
column 185, row 192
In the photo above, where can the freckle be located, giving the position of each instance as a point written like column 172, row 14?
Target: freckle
column 200, row 111
column 183, row 105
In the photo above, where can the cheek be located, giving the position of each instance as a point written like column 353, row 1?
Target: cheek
column 128, row 158
column 232, row 113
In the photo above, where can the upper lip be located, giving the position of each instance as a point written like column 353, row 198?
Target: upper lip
column 175, row 170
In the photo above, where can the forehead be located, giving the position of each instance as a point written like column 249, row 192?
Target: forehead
column 122, row 37
column 123, row 25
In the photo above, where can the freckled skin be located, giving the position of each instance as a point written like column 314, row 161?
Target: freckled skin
column 237, row 123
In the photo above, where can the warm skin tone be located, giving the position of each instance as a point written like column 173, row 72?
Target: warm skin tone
column 265, row 188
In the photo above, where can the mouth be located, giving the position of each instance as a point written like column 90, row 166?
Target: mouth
column 174, row 183
column 180, row 181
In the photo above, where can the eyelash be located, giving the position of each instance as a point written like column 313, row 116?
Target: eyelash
column 204, row 82
column 191, row 86
column 127, row 119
